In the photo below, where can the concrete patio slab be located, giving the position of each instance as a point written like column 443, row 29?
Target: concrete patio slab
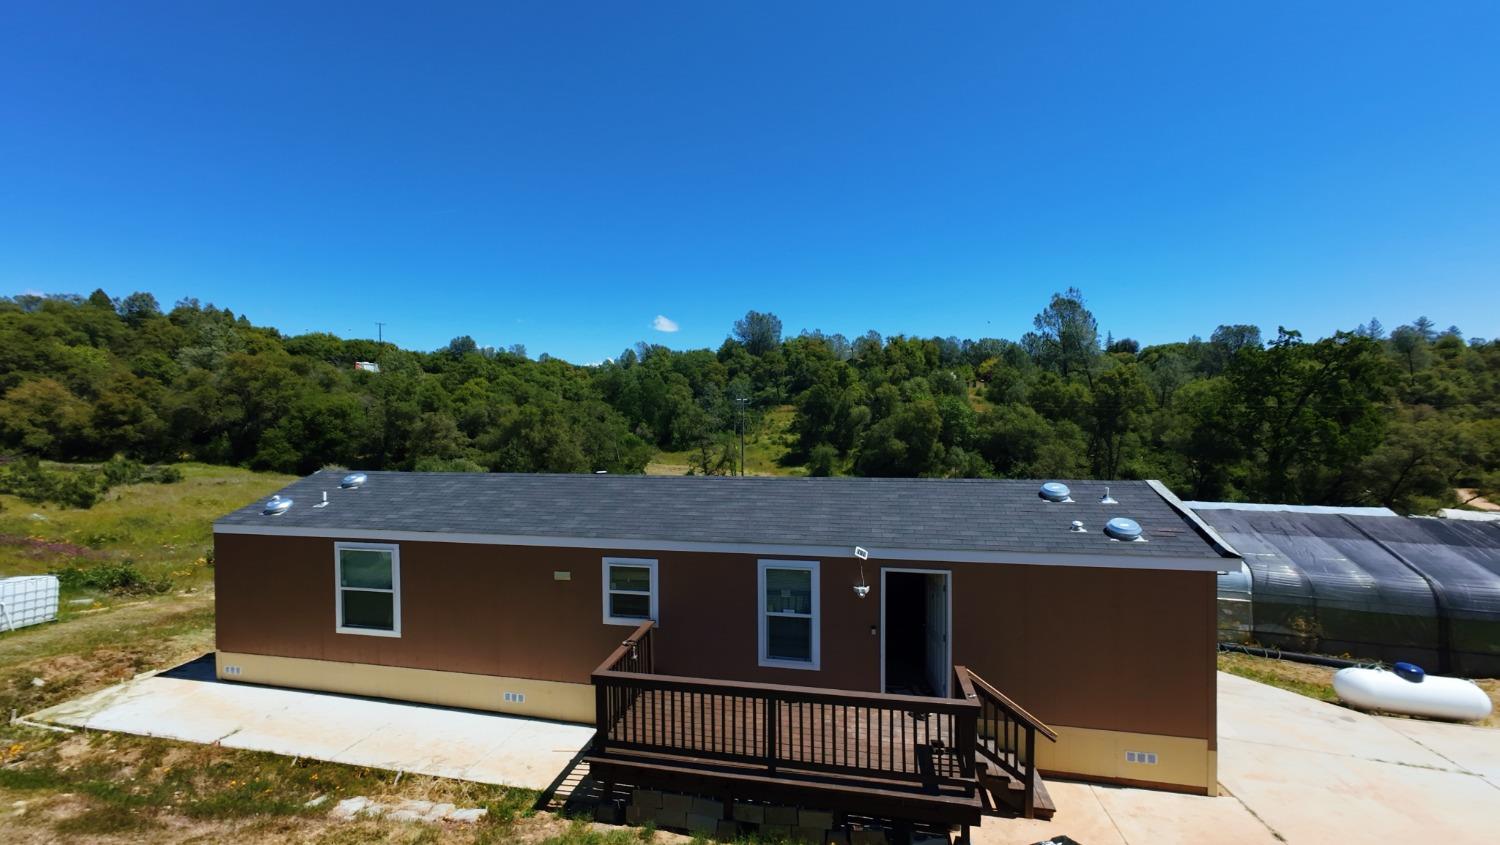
column 1110, row 815
column 1165, row 818
column 1080, row 816
column 1310, row 796
column 1301, row 771
column 1465, row 746
column 189, row 704
column 1256, row 713
column 1316, row 772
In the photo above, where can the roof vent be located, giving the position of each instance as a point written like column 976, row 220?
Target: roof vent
column 1055, row 491
column 1107, row 499
column 353, row 480
column 276, row 506
column 1122, row 528
column 1077, row 527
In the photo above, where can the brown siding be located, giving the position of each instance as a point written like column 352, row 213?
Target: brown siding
column 1128, row 650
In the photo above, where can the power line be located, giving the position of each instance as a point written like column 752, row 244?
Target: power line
column 740, row 403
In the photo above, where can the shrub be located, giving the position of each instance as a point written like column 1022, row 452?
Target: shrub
column 120, row 578
column 446, row 465
column 69, row 488
column 78, row 487
column 822, row 460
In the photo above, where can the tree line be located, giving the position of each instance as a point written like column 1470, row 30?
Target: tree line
column 1362, row 417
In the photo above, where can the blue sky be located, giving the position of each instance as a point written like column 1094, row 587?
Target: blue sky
column 559, row 174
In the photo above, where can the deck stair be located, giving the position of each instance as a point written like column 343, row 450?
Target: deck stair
column 1006, row 791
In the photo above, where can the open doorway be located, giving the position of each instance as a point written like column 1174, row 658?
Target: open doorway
column 916, row 657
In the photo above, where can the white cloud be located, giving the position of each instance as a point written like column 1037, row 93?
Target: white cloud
column 663, row 324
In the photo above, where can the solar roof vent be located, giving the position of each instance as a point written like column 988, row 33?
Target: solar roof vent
column 353, row 480
column 1122, row 528
column 1055, row 491
column 276, row 506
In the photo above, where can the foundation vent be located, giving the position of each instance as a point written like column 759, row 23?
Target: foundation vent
column 1055, row 491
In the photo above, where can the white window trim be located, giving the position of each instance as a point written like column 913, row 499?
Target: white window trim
column 761, row 615
column 632, row 621
column 339, row 588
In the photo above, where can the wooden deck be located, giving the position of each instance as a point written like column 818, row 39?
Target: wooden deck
column 916, row 757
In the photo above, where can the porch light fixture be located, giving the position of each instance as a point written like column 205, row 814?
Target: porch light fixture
column 861, row 589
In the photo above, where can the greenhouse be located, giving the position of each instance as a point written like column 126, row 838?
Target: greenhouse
column 1363, row 582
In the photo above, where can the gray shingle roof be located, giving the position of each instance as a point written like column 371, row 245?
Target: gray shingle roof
column 961, row 515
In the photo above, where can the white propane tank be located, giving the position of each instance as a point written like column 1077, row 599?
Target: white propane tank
column 1411, row 691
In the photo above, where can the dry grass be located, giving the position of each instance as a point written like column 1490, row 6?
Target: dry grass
column 1317, row 681
column 110, row 787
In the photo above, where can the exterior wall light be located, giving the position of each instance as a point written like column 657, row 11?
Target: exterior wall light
column 861, row 589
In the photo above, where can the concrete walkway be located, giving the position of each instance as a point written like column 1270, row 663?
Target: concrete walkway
column 188, row 704
column 1301, row 770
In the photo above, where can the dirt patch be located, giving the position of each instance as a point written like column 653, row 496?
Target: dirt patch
column 83, row 654
column 40, row 548
column 1471, row 498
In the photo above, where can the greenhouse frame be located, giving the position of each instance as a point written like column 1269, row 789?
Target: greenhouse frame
column 1362, row 582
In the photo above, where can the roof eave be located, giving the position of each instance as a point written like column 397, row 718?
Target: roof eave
column 1103, row 559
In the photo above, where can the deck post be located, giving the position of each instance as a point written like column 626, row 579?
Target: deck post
column 601, row 717
column 1030, row 772
column 770, row 733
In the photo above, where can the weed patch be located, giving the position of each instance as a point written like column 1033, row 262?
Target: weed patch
column 121, row 579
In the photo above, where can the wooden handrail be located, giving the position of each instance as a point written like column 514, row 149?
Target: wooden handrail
column 1007, row 735
column 967, row 679
column 786, row 692
column 631, row 642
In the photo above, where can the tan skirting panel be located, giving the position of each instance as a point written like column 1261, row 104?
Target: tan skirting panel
column 1185, row 764
column 1180, row 763
column 542, row 699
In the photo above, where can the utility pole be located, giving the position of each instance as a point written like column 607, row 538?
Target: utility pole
column 379, row 332
column 740, row 403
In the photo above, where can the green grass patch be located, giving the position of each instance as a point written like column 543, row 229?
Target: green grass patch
column 581, row 832
column 104, row 820
column 1301, row 678
column 164, row 530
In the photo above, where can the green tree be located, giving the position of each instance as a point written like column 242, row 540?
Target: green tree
column 1066, row 337
column 760, row 332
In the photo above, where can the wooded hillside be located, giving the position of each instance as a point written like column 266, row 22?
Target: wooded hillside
column 1363, row 417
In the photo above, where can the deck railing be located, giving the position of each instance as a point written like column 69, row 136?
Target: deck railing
column 1006, row 733
column 925, row 741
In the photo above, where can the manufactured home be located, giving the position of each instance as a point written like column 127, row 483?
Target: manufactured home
column 772, row 636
